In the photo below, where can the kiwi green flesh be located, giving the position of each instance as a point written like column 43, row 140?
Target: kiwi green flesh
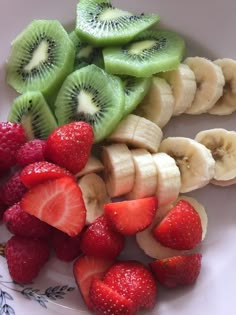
column 101, row 24
column 32, row 111
column 41, row 57
column 151, row 52
column 135, row 90
column 85, row 54
column 90, row 94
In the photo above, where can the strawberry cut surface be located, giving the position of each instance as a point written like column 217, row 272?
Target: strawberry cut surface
column 132, row 216
column 38, row 172
column 58, row 202
column 86, row 268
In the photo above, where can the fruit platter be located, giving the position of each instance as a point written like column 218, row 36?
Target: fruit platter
column 117, row 157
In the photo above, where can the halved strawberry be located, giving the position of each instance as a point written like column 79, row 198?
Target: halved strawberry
column 134, row 281
column 101, row 241
column 38, row 172
column 177, row 271
column 58, row 202
column 132, row 216
column 181, row 228
column 107, row 301
column 86, row 268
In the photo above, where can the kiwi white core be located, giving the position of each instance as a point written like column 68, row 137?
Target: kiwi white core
column 26, row 121
column 111, row 14
column 139, row 47
column 85, row 103
column 39, row 55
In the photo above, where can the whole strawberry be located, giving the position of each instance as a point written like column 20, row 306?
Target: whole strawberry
column 32, row 151
column 21, row 223
column 25, row 258
column 13, row 190
column 12, row 137
column 69, row 146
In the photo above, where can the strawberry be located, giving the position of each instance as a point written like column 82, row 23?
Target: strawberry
column 69, row 146
column 100, row 240
column 12, row 137
column 181, row 229
column 132, row 216
column 13, row 190
column 134, row 281
column 32, row 151
column 86, row 268
column 58, row 202
column 105, row 300
column 177, row 271
column 38, row 172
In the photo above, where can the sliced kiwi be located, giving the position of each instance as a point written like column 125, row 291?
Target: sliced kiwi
column 32, row 111
column 90, row 94
column 135, row 90
column 41, row 57
column 151, row 52
column 101, row 24
column 86, row 54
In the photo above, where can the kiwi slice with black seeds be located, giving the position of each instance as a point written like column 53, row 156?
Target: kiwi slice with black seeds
column 90, row 94
column 151, row 52
column 86, row 54
column 32, row 111
column 135, row 90
column 101, row 24
column 41, row 58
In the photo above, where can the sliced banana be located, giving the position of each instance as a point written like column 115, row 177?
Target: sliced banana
column 210, row 82
column 118, row 169
column 158, row 104
column 223, row 183
column 94, row 165
column 147, row 242
column 138, row 132
column 183, row 83
column 194, row 160
column 227, row 103
column 222, row 144
column 200, row 210
column 94, row 194
column 145, row 181
column 168, row 178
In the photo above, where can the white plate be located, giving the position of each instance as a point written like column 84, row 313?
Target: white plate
column 209, row 29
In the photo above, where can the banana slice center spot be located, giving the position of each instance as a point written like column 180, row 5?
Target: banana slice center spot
column 182, row 162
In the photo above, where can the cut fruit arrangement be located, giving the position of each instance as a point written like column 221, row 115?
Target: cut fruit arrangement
column 110, row 87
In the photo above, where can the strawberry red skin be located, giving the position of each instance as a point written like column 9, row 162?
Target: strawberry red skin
column 38, row 172
column 86, row 268
column 100, row 240
column 181, row 229
column 177, row 271
column 32, row 151
column 69, row 146
column 132, row 216
column 12, row 137
column 58, row 202
column 134, row 281
column 107, row 301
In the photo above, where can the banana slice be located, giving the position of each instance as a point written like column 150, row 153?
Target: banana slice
column 168, row 178
column 200, row 210
column 183, row 83
column 93, row 165
column 138, row 132
column 94, row 194
column 147, row 242
column 158, row 104
column 227, row 103
column 210, row 82
column 222, row 144
column 223, row 183
column 194, row 160
column 145, row 181
column 118, row 169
